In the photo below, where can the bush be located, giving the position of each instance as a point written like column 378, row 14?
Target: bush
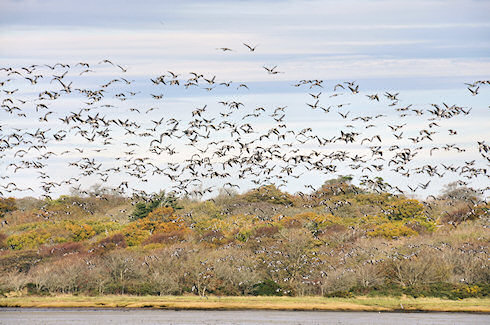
column 3, row 238
column 339, row 294
column 442, row 290
column 111, row 242
column 391, row 230
column 7, row 205
column 242, row 235
column 270, row 194
column 138, row 231
column 405, row 209
column 463, row 213
column 165, row 237
column 61, row 249
column 265, row 231
column 213, row 238
column 80, row 232
column 425, row 268
column 337, row 186
column 164, row 214
column 267, row 288
column 453, row 191
column 28, row 240
column 387, row 290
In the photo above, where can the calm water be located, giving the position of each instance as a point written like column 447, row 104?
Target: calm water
column 146, row 316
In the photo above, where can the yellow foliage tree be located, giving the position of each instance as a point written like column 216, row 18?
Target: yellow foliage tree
column 405, row 209
column 28, row 240
column 80, row 232
column 391, row 230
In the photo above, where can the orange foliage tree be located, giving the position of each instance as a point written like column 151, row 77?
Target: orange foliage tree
column 160, row 220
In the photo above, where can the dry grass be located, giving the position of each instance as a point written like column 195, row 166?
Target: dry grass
column 265, row 303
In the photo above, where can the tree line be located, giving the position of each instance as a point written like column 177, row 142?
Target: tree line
column 339, row 240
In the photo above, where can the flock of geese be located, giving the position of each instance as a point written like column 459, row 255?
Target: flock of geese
column 109, row 133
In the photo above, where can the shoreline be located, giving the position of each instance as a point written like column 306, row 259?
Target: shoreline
column 356, row 304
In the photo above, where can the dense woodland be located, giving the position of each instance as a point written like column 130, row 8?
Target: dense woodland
column 339, row 240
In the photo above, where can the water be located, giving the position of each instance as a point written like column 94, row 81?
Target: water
column 71, row 316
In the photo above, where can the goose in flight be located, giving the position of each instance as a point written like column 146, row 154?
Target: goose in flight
column 250, row 47
column 106, row 61
column 474, row 92
column 271, row 70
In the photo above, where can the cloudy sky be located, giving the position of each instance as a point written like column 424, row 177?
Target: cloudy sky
column 427, row 50
column 324, row 39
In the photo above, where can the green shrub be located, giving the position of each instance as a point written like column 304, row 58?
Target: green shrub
column 267, row 288
column 442, row 290
column 142, row 209
column 339, row 294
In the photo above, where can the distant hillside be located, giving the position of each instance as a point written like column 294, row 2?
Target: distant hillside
column 340, row 240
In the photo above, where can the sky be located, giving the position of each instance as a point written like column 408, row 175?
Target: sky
column 426, row 50
column 327, row 39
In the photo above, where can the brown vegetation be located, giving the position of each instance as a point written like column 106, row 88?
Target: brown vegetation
column 340, row 241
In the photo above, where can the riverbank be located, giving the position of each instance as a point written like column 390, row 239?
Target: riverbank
column 387, row 304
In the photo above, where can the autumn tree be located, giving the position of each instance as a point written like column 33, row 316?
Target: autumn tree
column 270, row 194
column 454, row 191
column 404, row 209
column 122, row 268
column 337, row 186
column 7, row 205
column 416, row 269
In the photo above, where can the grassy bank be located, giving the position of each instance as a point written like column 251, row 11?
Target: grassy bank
column 264, row 303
